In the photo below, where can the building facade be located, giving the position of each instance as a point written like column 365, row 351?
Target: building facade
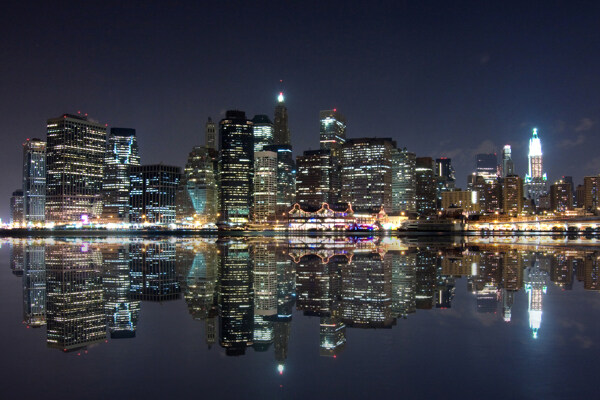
column 425, row 194
column 535, row 184
column 403, row 181
column 265, row 186
column 281, row 131
column 263, row 132
column 152, row 194
column 34, row 181
column 211, row 139
column 286, row 178
column 512, row 194
column 313, row 178
column 16, row 207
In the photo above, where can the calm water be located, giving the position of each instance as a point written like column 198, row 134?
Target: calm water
column 299, row 318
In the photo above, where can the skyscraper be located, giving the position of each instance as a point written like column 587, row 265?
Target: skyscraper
column 403, row 181
column 75, row 152
column 313, row 178
column 237, row 168
column 561, row 196
column 210, row 134
column 536, row 179
column 263, row 132
column 444, row 176
column 265, row 186
column 512, row 194
column 121, row 154
column 16, row 207
column 366, row 172
column 286, row 178
column 425, row 186
column 508, row 166
column 591, row 193
column 152, row 194
column 34, row 180
column 487, row 166
column 281, row 131
column 333, row 129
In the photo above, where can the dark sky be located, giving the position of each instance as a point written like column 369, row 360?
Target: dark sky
column 441, row 78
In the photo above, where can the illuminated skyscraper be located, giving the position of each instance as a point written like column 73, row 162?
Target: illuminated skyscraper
column 590, row 195
column 281, row 131
column 34, row 180
column 535, row 181
column 425, row 186
column 210, row 135
column 286, row 179
column 265, row 186
column 263, row 132
column 403, row 283
column 366, row 166
column 403, row 181
column 75, row 154
column 444, row 176
column 333, row 129
column 16, row 207
column 508, row 166
column 198, row 192
column 487, row 166
column 561, row 196
column 121, row 154
column 152, row 194
column 237, row 168
column 313, row 178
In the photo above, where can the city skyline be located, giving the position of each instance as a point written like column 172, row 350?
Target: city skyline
column 451, row 87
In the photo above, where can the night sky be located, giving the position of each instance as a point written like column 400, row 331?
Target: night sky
column 445, row 78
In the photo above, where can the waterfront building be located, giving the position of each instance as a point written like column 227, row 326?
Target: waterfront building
column 591, row 193
column 425, row 186
column 210, row 135
column 16, row 207
column 403, row 181
column 281, row 131
column 75, row 155
column 262, row 129
column 512, row 194
column 313, row 178
column 508, row 166
column 467, row 201
column 265, row 186
column 121, row 154
column 487, row 166
column 286, row 179
column 535, row 184
column 561, row 196
column 152, row 194
column 34, row 181
column 198, row 192
column 236, row 169
column 366, row 166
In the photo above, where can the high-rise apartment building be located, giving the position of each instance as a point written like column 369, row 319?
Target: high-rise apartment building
column 366, row 172
column 34, row 181
column 152, row 194
column 561, row 196
column 281, row 131
column 512, row 194
column 236, row 168
column 265, row 186
column 121, row 154
column 263, row 132
column 591, row 191
column 286, row 178
column 425, row 186
column 75, row 153
column 536, row 180
column 403, row 181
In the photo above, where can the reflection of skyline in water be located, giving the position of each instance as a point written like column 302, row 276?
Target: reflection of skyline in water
column 244, row 291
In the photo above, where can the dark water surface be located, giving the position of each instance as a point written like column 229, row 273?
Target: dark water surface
column 303, row 318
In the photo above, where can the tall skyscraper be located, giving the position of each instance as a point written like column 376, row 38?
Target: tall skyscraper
column 265, row 186
column 487, row 166
column 313, row 178
column 508, row 166
column 366, row 172
column 591, row 193
column 34, row 181
column 286, row 178
column 75, row 152
column 536, row 179
column 512, row 194
column 263, row 132
column 237, row 168
column 198, row 192
column 281, row 131
column 333, row 129
column 403, row 181
column 152, row 194
column 121, row 154
column 16, row 207
column 444, row 176
column 425, row 186
column 210, row 134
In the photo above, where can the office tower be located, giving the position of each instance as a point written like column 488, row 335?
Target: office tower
column 569, row 180
column 34, row 181
column 74, row 296
column 286, row 179
column 237, row 168
column 535, row 181
column 580, row 196
column 512, row 194
column 487, row 166
column 122, row 312
column 281, row 131
column 313, row 178
column 425, row 193
column 263, row 132
column 75, row 152
column 444, row 175
column 535, row 287
column 236, row 298
column 198, row 192
column 366, row 166
column 34, row 285
column 403, row 181
column 508, row 166
column 154, row 275
column 591, row 192
column 210, row 135
column 121, row 154
column 265, row 186
column 333, row 129
column 561, row 196
column 152, row 194
column 16, row 207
